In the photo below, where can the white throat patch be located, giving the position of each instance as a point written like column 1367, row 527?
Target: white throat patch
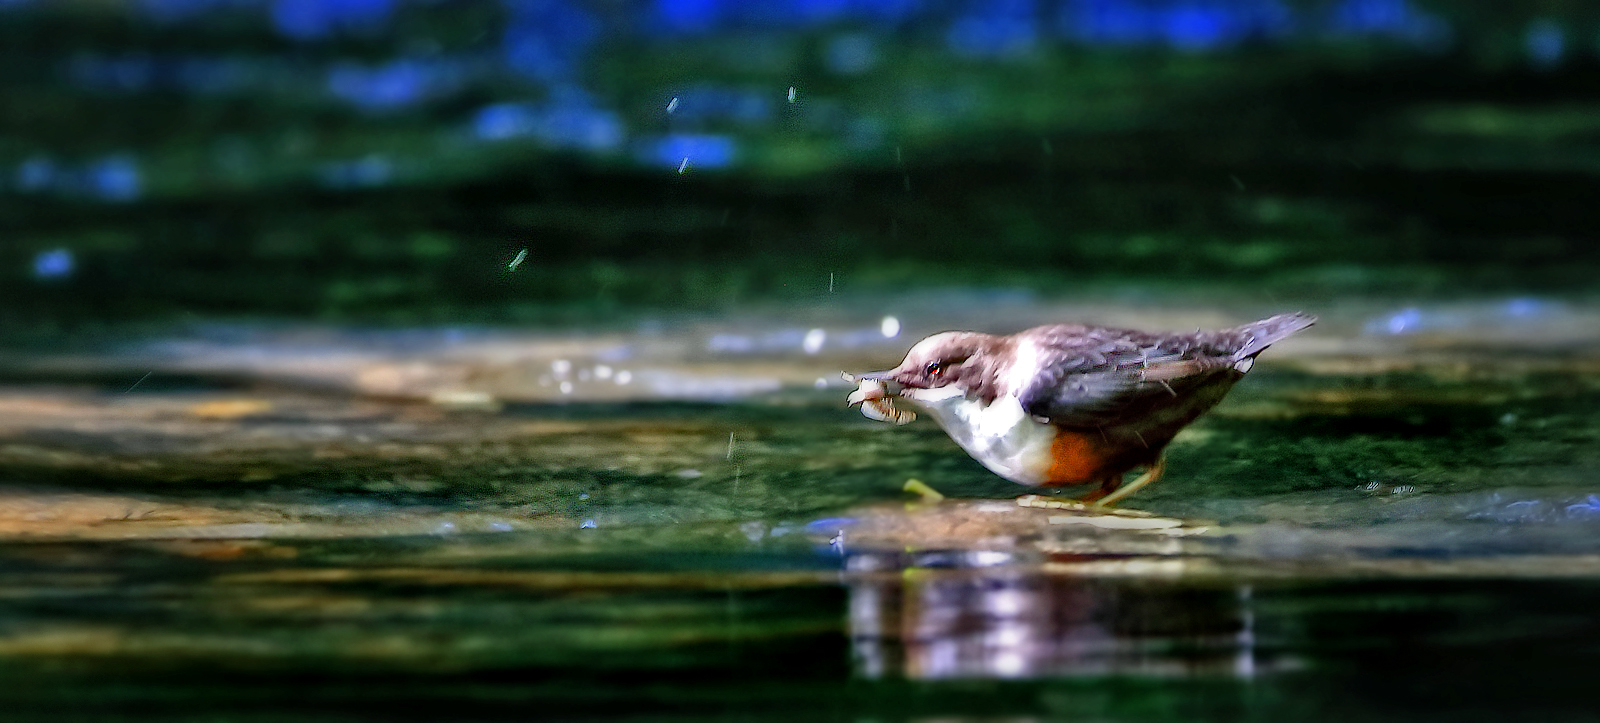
column 1000, row 435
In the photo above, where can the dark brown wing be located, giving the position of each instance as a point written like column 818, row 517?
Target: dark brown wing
column 1097, row 377
column 1093, row 377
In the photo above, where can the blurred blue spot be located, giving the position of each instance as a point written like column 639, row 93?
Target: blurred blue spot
column 1524, row 311
column 688, row 151
column 1403, row 321
column 888, row 12
column 587, row 525
column 585, row 129
column 53, row 264
column 996, row 33
column 1373, row 16
column 1184, row 24
column 1394, row 18
column 712, row 102
column 686, row 16
column 368, row 172
column 1523, row 307
column 1194, row 26
column 114, row 178
column 564, row 126
column 815, row 12
column 545, row 39
column 36, row 174
column 796, row 13
column 1113, row 22
column 699, row 17
column 538, row 57
column 504, row 120
column 500, row 527
column 1587, row 508
column 317, row 19
column 1545, row 42
column 385, row 87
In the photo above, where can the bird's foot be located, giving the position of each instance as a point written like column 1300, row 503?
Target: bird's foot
column 927, row 495
column 1050, row 503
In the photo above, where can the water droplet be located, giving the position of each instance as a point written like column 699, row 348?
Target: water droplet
column 813, row 341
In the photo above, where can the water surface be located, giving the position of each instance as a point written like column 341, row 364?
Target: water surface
column 679, row 519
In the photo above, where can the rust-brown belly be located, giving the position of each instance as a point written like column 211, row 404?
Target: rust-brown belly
column 1076, row 458
column 1084, row 457
column 1092, row 456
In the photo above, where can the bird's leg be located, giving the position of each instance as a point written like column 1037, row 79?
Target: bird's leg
column 921, row 489
column 1107, row 487
column 1107, row 498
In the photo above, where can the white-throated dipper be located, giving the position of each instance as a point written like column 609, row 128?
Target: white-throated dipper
column 1066, row 405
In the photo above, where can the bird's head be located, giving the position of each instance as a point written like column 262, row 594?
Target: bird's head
column 937, row 361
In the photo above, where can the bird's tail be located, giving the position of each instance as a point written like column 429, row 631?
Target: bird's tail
column 1262, row 334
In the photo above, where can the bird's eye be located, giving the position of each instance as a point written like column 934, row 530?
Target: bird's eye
column 934, row 369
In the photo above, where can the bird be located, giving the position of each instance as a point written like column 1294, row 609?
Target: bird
column 1070, row 405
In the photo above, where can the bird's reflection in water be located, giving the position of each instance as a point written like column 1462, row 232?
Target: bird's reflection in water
column 974, row 614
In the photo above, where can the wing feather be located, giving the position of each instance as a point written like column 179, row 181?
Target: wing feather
column 1099, row 377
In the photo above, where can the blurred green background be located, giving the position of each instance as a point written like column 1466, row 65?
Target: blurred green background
column 387, row 160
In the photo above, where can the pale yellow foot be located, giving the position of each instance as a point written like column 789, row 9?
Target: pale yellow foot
column 1050, row 503
column 1145, row 480
column 921, row 489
